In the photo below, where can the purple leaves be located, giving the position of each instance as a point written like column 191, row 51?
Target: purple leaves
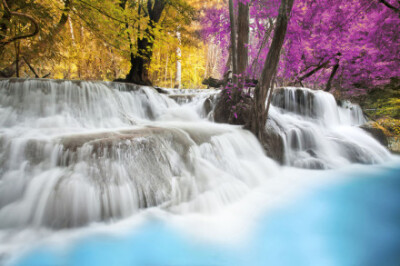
column 366, row 34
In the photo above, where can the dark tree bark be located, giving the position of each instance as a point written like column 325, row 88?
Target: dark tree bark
column 242, row 49
column 17, row 51
column 243, row 38
column 231, row 103
column 313, row 71
column 252, row 112
column 259, row 112
column 322, row 64
column 30, row 67
column 388, row 5
column 333, row 73
column 233, row 42
column 140, row 62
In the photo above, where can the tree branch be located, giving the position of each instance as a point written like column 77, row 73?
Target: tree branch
column 267, row 35
column 33, row 21
column 30, row 67
column 101, row 11
column 312, row 72
column 387, row 4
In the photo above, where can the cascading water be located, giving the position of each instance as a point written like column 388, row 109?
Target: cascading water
column 79, row 152
column 319, row 134
column 74, row 153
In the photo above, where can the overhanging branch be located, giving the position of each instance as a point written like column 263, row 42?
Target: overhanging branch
column 387, row 4
column 33, row 21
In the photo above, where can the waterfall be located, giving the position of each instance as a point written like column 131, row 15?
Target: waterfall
column 319, row 134
column 76, row 152
column 73, row 153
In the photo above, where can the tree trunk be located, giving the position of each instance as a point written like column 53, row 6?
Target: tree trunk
column 267, row 34
column 243, row 38
column 246, row 111
column 166, row 69
column 16, row 45
column 242, row 49
column 140, row 62
column 334, row 71
column 178, row 76
column 259, row 111
column 31, row 68
column 71, row 31
column 228, row 64
column 233, row 41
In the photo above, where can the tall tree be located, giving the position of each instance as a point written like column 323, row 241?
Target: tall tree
column 265, row 88
column 233, row 41
column 178, row 75
column 243, row 38
column 140, row 61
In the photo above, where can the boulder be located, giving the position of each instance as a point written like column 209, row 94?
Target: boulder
column 182, row 98
column 394, row 144
column 239, row 114
column 208, row 105
column 273, row 145
column 376, row 131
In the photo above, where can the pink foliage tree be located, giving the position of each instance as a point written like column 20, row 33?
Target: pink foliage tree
column 344, row 44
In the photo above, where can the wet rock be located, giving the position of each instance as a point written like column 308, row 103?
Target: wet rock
column 182, row 98
column 376, row 131
column 273, row 143
column 111, row 139
column 207, row 106
column 160, row 90
column 296, row 100
column 354, row 152
column 394, row 144
column 224, row 112
column 310, row 163
column 312, row 153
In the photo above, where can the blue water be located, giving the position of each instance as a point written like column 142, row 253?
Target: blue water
column 356, row 222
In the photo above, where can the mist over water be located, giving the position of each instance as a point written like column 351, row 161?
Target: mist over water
column 87, row 167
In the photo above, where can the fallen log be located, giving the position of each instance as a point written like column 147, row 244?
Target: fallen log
column 214, row 83
column 217, row 83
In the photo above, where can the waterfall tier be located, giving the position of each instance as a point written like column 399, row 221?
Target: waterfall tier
column 317, row 133
column 75, row 152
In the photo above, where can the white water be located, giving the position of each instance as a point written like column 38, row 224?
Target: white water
column 77, row 153
column 317, row 133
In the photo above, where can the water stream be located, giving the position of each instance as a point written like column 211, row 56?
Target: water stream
column 86, row 160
